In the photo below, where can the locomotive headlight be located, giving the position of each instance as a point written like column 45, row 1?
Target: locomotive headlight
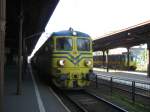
column 88, row 62
column 61, row 62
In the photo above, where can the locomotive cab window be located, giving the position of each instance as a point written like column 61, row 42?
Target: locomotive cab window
column 64, row 44
column 83, row 44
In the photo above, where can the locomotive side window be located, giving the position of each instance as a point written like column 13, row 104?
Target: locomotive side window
column 83, row 44
column 64, row 44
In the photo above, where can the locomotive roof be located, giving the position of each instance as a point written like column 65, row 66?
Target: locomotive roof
column 70, row 33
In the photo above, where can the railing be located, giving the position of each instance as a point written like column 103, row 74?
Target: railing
column 133, row 87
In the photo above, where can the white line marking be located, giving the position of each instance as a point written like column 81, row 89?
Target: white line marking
column 59, row 99
column 39, row 100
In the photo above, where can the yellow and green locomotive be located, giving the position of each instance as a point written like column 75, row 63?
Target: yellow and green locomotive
column 67, row 58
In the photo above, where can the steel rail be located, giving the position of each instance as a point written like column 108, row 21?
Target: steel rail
column 82, row 107
column 111, row 104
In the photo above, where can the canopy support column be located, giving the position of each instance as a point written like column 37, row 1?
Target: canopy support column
column 2, row 50
column 128, row 57
column 107, row 60
column 148, row 68
column 103, row 59
column 19, row 80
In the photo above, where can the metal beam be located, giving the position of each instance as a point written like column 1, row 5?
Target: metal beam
column 19, row 80
column 2, row 50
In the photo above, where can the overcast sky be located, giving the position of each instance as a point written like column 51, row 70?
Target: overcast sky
column 97, row 17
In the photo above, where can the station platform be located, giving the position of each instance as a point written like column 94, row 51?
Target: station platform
column 128, row 75
column 35, row 97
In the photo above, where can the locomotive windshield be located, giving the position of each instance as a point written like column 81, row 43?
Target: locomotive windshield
column 83, row 44
column 64, row 44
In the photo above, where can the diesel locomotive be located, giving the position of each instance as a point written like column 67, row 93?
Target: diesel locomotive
column 66, row 57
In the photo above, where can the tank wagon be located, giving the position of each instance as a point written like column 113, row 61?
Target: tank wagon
column 66, row 57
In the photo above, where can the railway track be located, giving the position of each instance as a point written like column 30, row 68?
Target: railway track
column 88, row 102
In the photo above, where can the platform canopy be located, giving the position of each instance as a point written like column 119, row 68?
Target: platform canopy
column 36, row 14
column 132, row 36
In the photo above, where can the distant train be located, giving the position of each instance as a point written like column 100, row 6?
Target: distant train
column 67, row 59
column 116, row 61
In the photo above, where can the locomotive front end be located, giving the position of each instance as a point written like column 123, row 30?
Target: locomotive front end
column 72, row 61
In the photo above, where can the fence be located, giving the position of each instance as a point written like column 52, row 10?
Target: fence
column 136, row 89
